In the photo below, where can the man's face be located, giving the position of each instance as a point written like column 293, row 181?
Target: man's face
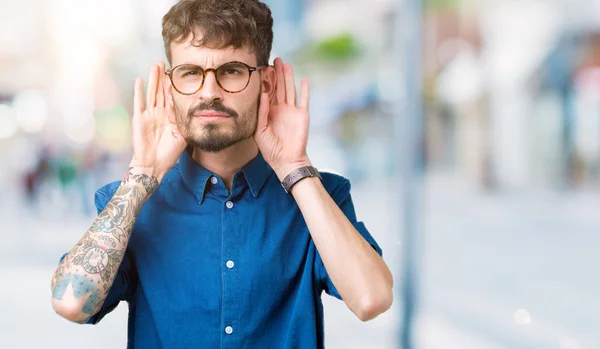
column 213, row 119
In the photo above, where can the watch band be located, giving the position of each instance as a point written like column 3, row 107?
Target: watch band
column 297, row 175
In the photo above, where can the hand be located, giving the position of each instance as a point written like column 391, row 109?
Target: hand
column 282, row 130
column 157, row 142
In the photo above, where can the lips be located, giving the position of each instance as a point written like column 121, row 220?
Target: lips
column 211, row 111
column 211, row 115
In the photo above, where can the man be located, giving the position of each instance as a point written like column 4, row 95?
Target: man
column 199, row 237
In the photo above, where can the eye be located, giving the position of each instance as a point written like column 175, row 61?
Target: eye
column 191, row 73
column 232, row 71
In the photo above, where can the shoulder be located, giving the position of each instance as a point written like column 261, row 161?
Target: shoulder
column 107, row 190
column 171, row 177
column 104, row 194
column 336, row 185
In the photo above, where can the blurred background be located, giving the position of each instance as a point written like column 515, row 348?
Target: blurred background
column 470, row 130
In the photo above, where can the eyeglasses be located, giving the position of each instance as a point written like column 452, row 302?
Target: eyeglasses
column 233, row 77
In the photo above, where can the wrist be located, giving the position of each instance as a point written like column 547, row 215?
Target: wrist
column 150, row 171
column 304, row 185
column 146, row 177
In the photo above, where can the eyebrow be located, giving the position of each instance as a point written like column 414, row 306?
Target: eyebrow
column 188, row 67
column 216, row 66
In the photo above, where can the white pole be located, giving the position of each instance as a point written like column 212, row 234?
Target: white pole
column 408, row 41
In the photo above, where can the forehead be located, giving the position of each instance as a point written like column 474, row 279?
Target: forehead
column 184, row 52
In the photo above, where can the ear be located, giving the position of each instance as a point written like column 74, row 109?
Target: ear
column 269, row 82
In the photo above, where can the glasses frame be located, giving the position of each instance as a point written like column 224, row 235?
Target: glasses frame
column 169, row 73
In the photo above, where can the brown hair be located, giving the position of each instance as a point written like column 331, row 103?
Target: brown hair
column 222, row 23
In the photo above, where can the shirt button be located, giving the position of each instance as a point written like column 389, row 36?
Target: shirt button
column 214, row 180
column 229, row 204
column 229, row 330
column 230, row 264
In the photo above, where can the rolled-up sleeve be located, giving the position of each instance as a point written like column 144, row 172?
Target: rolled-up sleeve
column 341, row 196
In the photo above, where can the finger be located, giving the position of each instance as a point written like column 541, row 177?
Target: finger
column 263, row 113
column 175, row 131
column 180, row 141
column 138, row 96
column 168, row 92
column 160, row 90
column 290, row 87
column 280, row 88
column 152, row 83
column 304, row 95
column 171, row 117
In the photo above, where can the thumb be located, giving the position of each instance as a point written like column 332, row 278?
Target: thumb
column 170, row 111
column 177, row 136
column 180, row 143
column 263, row 113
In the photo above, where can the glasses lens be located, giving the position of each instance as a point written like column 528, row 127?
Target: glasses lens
column 188, row 78
column 233, row 77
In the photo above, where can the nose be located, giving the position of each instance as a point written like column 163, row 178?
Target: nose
column 210, row 91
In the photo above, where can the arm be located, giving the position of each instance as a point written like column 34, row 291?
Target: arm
column 84, row 277
column 358, row 272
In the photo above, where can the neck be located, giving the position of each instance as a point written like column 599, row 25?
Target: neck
column 227, row 162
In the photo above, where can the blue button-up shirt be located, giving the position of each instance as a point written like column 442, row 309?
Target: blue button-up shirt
column 210, row 268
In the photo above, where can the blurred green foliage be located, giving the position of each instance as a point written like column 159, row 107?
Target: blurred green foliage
column 339, row 47
column 335, row 49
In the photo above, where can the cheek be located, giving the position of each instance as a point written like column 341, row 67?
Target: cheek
column 182, row 103
column 249, row 101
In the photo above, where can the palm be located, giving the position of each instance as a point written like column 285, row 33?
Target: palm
column 282, row 130
column 285, row 136
column 169, row 145
column 157, row 142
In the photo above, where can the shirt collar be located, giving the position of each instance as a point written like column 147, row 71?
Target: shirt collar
column 257, row 172
column 196, row 177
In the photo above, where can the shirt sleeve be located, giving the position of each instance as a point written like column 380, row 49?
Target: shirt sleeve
column 124, row 284
column 341, row 196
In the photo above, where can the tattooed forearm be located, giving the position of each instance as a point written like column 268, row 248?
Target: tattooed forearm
column 108, row 241
column 81, row 286
column 87, row 272
column 149, row 183
column 97, row 258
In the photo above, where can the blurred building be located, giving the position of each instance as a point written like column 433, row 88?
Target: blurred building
column 511, row 104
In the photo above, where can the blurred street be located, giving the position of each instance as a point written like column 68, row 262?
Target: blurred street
column 470, row 292
column 495, row 105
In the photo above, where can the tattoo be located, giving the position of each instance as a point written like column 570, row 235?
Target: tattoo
column 61, row 269
column 104, row 223
column 91, row 266
column 107, row 240
column 97, row 260
column 111, row 219
column 81, row 286
column 149, row 183
column 127, row 174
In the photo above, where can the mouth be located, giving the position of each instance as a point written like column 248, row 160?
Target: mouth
column 211, row 116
